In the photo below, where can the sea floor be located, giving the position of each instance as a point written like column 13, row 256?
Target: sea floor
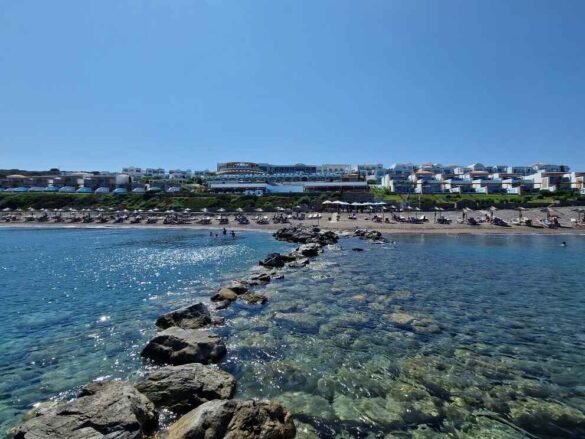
column 423, row 337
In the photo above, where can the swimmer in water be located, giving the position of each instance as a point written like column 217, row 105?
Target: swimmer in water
column 563, row 244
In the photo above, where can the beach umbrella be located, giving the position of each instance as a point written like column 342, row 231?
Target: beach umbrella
column 239, row 209
column 6, row 209
column 204, row 210
column 221, row 210
column 549, row 212
column 259, row 210
column 520, row 209
column 492, row 210
column 327, row 202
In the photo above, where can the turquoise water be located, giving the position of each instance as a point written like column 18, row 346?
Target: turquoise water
column 80, row 304
column 496, row 348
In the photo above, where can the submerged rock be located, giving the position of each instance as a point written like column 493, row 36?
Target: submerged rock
column 254, row 298
column 409, row 322
column 181, row 346
column 235, row 420
column 302, row 320
column 190, row 317
column 307, row 404
column 305, row 431
column 182, row 388
column 264, row 277
column 544, row 417
column 300, row 263
column 112, row 409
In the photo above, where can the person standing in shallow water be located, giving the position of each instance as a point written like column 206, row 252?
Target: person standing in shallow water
column 233, row 234
column 224, row 231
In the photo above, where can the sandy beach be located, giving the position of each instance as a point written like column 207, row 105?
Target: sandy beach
column 363, row 221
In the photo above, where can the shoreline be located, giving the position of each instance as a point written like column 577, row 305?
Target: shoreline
column 339, row 227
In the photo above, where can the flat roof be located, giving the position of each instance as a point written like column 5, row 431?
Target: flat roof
column 237, row 185
column 336, row 183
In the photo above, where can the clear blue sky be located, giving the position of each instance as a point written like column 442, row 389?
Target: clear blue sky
column 101, row 84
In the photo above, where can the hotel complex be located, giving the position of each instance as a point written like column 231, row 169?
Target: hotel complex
column 262, row 178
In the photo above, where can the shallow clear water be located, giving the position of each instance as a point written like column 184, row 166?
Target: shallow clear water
column 496, row 349
column 500, row 352
column 80, row 304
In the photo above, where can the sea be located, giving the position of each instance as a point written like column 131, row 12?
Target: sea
column 422, row 337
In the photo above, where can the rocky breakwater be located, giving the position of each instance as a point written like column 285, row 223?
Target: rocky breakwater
column 370, row 235
column 184, row 384
column 306, row 235
column 312, row 241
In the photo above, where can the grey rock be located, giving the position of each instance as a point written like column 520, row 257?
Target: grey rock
column 254, row 298
column 304, row 235
column 181, row 346
column 182, row 388
column 370, row 235
column 238, row 287
column 223, row 304
column 264, row 277
column 235, row 420
column 274, row 260
column 190, row 317
column 107, row 410
column 299, row 263
column 224, row 294
column 308, row 250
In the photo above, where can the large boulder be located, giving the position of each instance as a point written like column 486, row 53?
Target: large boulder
column 181, row 346
column 276, row 260
column 239, row 287
column 307, row 250
column 370, row 235
column 235, row 420
column 182, row 388
column 224, row 294
column 190, row 317
column 304, row 235
column 109, row 410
